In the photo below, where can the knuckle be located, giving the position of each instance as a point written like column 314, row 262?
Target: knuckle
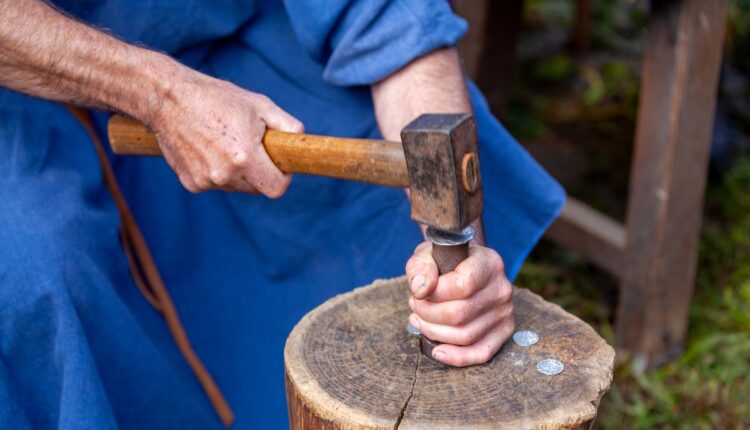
column 467, row 337
column 505, row 292
column 412, row 265
column 261, row 101
column 461, row 287
column 189, row 185
column 423, row 247
column 497, row 262
column 202, row 184
column 239, row 158
column 274, row 191
column 220, row 177
column 459, row 315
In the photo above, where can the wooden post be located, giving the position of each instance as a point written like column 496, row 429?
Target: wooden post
column 675, row 119
column 350, row 365
column 489, row 50
column 471, row 46
column 582, row 27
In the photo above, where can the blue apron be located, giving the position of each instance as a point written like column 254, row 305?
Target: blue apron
column 80, row 348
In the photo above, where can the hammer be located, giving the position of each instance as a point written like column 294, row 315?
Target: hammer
column 437, row 160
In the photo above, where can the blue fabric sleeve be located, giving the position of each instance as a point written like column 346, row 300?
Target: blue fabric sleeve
column 363, row 41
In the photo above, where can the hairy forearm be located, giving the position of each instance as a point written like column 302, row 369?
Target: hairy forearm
column 433, row 83
column 46, row 54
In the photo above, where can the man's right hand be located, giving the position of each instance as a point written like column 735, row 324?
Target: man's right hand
column 209, row 130
column 210, row 133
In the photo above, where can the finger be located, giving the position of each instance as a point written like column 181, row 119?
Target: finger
column 191, row 166
column 242, row 184
column 471, row 275
column 261, row 173
column 466, row 334
column 479, row 352
column 188, row 184
column 228, row 175
column 421, row 271
column 456, row 312
column 277, row 118
column 179, row 168
column 239, row 186
column 185, row 180
column 267, row 178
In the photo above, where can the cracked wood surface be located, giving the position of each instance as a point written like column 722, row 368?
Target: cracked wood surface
column 350, row 365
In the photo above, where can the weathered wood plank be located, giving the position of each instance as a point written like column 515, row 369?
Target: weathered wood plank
column 668, row 176
column 471, row 47
column 489, row 51
column 582, row 27
column 597, row 237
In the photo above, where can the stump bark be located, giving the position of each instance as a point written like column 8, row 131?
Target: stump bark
column 350, row 365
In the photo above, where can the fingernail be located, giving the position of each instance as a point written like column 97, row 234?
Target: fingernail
column 417, row 283
column 439, row 355
column 414, row 322
column 411, row 303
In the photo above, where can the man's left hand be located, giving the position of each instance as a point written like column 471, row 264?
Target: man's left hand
column 469, row 310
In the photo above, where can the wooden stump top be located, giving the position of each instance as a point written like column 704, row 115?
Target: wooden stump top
column 351, row 365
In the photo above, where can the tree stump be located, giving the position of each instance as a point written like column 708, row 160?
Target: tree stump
column 350, row 365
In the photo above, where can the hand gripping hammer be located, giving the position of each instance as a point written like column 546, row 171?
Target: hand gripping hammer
column 437, row 160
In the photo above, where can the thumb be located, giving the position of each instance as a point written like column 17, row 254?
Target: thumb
column 422, row 271
column 278, row 119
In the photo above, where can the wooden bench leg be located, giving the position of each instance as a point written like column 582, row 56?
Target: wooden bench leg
column 678, row 98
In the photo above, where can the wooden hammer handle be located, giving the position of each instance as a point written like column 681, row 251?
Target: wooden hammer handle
column 374, row 161
column 448, row 258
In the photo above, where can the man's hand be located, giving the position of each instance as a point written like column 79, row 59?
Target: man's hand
column 469, row 309
column 210, row 132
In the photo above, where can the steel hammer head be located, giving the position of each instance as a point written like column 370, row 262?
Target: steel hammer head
column 443, row 166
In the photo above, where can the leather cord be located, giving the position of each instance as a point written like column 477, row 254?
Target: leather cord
column 146, row 275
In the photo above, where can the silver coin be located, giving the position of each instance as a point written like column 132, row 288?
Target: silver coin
column 525, row 337
column 550, row 366
column 413, row 330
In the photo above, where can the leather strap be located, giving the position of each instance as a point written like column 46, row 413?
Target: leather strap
column 146, row 275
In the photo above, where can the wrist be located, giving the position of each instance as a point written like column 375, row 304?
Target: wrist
column 151, row 89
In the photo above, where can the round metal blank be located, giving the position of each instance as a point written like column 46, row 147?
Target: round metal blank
column 525, row 337
column 413, row 330
column 550, row 367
